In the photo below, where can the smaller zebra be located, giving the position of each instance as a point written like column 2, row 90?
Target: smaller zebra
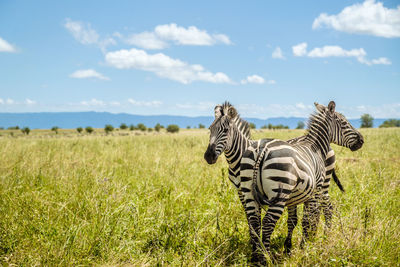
column 278, row 174
column 326, row 204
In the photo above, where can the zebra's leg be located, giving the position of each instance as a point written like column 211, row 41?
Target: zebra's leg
column 326, row 203
column 310, row 219
column 274, row 212
column 291, row 224
column 254, row 221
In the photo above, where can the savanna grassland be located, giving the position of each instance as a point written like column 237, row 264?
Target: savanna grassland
column 148, row 199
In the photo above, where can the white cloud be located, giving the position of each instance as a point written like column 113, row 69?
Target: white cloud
column 300, row 49
column 370, row 18
column 154, row 103
column 253, row 79
column 6, row 46
column 271, row 82
column 93, row 102
column 163, row 66
column 337, row 51
column 163, row 34
column 277, row 53
column 30, row 102
column 115, row 103
column 84, row 34
column 10, row 101
column 391, row 110
column 147, row 40
column 200, row 106
column 81, row 32
column 189, row 36
column 89, row 73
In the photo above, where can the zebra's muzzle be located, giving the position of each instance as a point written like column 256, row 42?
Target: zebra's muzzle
column 210, row 155
column 358, row 144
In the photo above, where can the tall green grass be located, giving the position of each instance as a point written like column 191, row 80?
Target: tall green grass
column 147, row 200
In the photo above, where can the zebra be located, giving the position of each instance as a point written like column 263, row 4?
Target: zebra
column 330, row 173
column 230, row 134
column 278, row 174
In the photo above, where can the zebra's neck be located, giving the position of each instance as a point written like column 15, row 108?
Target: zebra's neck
column 240, row 141
column 319, row 134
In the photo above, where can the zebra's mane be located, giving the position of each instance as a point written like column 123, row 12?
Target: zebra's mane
column 241, row 124
column 315, row 119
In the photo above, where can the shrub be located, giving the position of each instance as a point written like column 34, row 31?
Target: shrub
column 89, row 129
column 123, row 126
column 142, row 127
column 300, row 125
column 173, row 128
column 390, row 123
column 55, row 129
column 201, row 126
column 13, row 128
column 367, row 121
column 132, row 127
column 188, row 127
column 252, row 125
column 108, row 128
column 149, row 129
column 157, row 127
column 25, row 130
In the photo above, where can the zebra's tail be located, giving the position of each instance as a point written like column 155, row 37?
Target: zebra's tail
column 337, row 181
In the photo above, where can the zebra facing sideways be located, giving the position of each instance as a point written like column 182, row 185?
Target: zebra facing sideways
column 326, row 204
column 230, row 134
column 279, row 174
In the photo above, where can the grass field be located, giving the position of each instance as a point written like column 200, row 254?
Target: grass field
column 147, row 199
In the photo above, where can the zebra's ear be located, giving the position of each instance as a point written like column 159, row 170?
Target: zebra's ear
column 218, row 111
column 331, row 107
column 232, row 113
column 320, row 108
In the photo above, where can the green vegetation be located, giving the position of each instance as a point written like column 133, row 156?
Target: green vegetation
column 13, row 128
column 153, row 200
column 300, row 125
column 108, row 128
column 142, row 127
column 157, row 127
column 123, row 126
column 390, row 123
column 79, row 129
column 367, row 121
column 201, row 126
column 252, row 125
column 274, row 127
column 89, row 129
column 173, row 128
column 25, row 130
column 55, row 129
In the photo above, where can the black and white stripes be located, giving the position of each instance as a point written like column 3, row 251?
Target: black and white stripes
column 289, row 173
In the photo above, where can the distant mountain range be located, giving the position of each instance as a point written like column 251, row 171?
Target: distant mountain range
column 66, row 120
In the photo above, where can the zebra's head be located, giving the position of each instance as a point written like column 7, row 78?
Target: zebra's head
column 220, row 132
column 343, row 133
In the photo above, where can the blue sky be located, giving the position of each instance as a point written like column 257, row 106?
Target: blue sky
column 268, row 58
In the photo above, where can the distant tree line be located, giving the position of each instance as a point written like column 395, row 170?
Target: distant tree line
column 274, row 127
column 390, row 123
column 366, row 122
